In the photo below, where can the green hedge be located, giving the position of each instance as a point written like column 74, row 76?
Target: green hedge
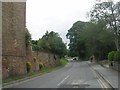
column 63, row 61
column 117, row 56
column 111, row 55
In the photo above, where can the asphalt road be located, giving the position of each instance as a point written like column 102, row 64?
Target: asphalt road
column 73, row 75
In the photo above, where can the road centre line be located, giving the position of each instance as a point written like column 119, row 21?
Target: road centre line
column 63, row 80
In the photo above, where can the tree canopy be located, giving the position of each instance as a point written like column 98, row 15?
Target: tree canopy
column 109, row 13
column 52, row 42
column 74, row 36
column 98, row 36
column 90, row 39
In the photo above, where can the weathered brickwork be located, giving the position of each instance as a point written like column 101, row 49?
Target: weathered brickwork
column 13, row 38
column 13, row 66
column 13, row 25
column 48, row 59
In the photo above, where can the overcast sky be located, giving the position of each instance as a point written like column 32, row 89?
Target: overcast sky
column 55, row 15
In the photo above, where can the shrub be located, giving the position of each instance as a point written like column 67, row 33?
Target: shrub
column 63, row 61
column 40, row 66
column 27, row 38
column 28, row 66
column 117, row 56
column 111, row 55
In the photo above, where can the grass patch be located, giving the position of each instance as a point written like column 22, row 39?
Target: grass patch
column 63, row 61
column 13, row 79
column 104, row 62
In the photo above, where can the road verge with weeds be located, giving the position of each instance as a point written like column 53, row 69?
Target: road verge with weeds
column 14, row 79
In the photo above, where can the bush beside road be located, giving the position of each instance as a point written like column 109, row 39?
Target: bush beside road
column 14, row 79
column 63, row 61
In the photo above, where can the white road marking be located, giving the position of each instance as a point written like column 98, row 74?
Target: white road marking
column 76, row 82
column 63, row 80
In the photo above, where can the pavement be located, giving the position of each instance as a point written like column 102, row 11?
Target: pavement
column 110, row 75
column 73, row 75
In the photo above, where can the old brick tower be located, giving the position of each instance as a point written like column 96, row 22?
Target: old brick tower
column 13, row 38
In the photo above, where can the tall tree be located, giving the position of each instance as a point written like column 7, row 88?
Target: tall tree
column 90, row 39
column 98, row 40
column 109, row 13
column 75, row 45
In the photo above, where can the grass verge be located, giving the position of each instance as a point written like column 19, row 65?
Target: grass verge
column 63, row 61
column 103, row 62
column 14, row 79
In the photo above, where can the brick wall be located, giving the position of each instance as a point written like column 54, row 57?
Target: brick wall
column 14, row 65
column 48, row 59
